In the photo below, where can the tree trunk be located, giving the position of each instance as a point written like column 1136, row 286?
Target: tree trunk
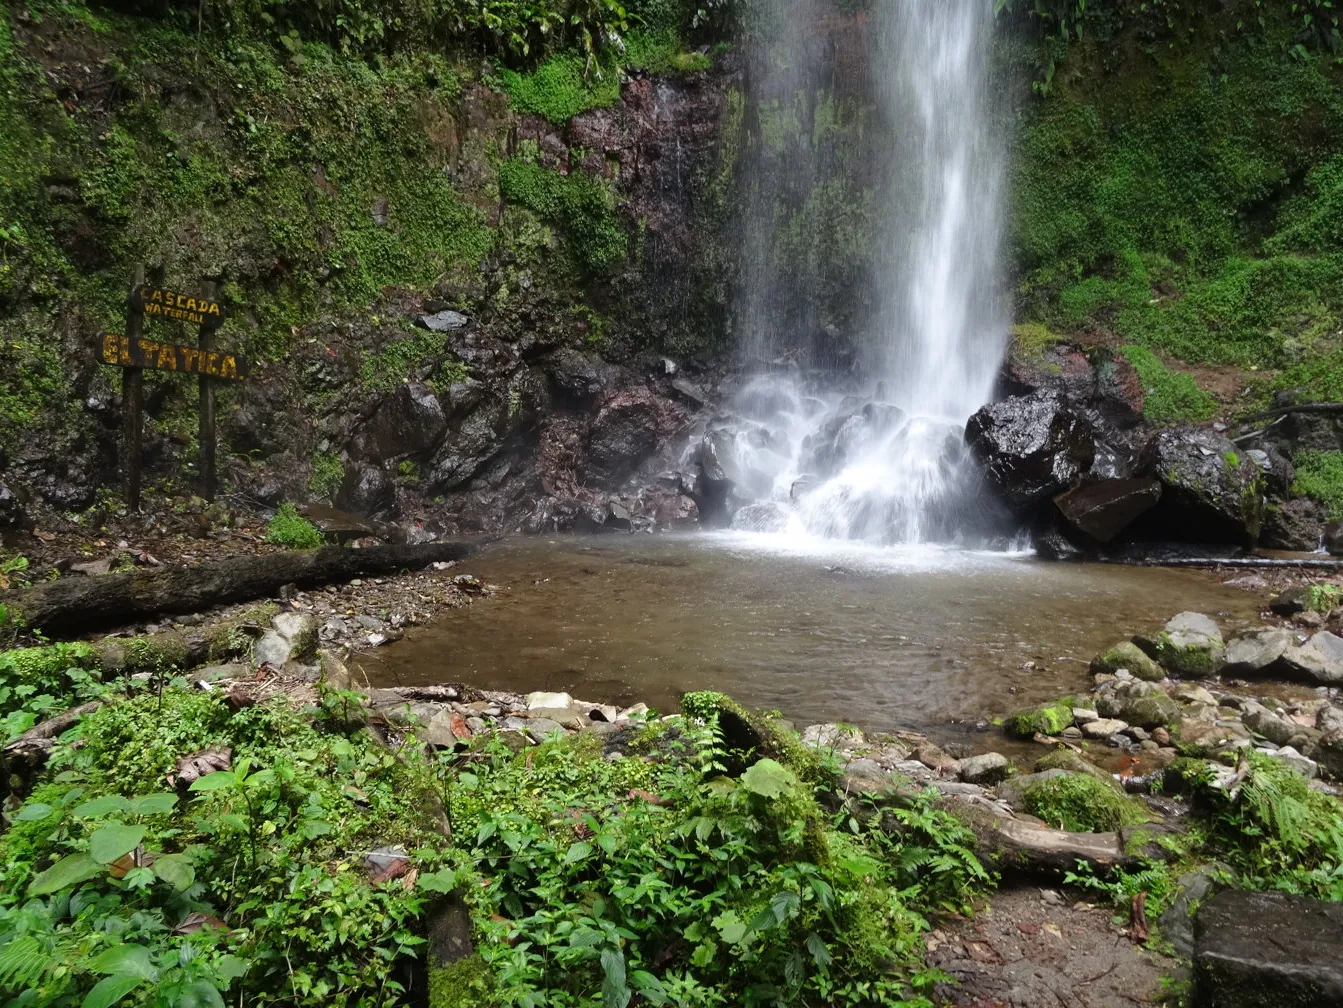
column 75, row 605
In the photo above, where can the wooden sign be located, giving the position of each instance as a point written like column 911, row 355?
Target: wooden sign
column 132, row 353
column 121, row 351
column 160, row 302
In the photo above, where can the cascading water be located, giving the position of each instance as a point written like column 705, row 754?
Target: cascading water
column 875, row 451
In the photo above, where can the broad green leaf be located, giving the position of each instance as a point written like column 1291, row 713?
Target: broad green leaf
column 442, row 881
column 730, row 927
column 577, row 852
column 154, row 804
column 769, row 779
column 199, row 995
column 34, row 811
column 783, row 904
column 68, row 871
column 113, row 840
column 109, row 990
column 230, row 967
column 313, row 828
column 176, row 870
column 105, row 805
column 214, row 781
column 818, row 951
column 127, row 959
column 649, row 986
column 615, row 991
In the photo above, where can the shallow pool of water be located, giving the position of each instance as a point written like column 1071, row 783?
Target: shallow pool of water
column 883, row 638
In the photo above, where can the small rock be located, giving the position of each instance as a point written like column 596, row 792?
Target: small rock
column 444, row 321
column 1103, row 728
column 988, row 768
column 1160, row 736
column 1319, row 659
column 1309, row 619
column 540, row 729
column 636, row 713
column 934, row 758
column 1127, row 656
column 1303, row 765
column 1082, row 715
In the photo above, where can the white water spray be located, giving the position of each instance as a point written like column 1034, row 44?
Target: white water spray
column 887, row 464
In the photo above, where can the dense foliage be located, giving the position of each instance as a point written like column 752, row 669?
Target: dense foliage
column 1175, row 180
column 183, row 849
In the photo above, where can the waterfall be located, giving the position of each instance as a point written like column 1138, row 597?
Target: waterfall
column 855, row 429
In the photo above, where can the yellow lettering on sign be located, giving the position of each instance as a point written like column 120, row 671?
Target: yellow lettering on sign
column 124, row 348
column 111, row 348
column 156, row 295
column 228, row 367
column 214, row 308
column 167, row 357
column 212, row 363
column 191, row 359
column 147, row 347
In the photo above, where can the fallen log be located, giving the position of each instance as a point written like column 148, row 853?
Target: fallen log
column 23, row 759
column 1325, row 408
column 75, row 605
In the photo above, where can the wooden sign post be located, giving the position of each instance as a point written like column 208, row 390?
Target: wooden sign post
column 133, row 353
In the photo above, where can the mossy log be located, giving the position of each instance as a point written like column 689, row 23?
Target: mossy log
column 75, row 605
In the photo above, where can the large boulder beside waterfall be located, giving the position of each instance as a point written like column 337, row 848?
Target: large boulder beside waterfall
column 1102, row 508
column 1210, row 492
column 1031, row 446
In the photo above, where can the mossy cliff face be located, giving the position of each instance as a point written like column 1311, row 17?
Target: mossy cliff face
column 333, row 198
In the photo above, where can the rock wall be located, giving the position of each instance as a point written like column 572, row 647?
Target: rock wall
column 456, row 313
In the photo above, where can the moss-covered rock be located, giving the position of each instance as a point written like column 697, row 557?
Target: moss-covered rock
column 754, row 735
column 1045, row 719
column 1191, row 645
column 1127, row 655
column 1081, row 804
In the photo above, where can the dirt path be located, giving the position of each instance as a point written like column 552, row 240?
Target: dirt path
column 1034, row 948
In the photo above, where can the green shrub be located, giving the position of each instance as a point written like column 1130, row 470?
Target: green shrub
column 1082, row 803
column 289, row 528
column 1170, row 396
column 327, row 473
column 1319, row 474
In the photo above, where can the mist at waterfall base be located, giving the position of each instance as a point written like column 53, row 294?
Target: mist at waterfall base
column 874, row 451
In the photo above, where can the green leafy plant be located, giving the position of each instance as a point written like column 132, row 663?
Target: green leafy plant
column 289, row 528
column 1319, row 474
column 327, row 473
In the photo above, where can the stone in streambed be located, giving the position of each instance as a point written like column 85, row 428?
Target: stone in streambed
column 1320, row 659
column 1103, row 728
column 1190, row 644
column 1127, row 655
column 1031, row 446
column 1268, row 950
column 1255, row 652
column 1013, row 791
column 1045, row 719
column 988, row 768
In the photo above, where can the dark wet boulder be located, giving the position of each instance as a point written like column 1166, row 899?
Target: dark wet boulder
column 1102, row 508
column 1279, row 473
column 628, row 429
column 409, row 422
column 1120, row 396
column 1296, row 524
column 1210, row 492
column 1268, row 950
column 1053, row 543
column 576, row 378
column 473, row 442
column 1030, row 446
column 1038, row 363
column 365, row 490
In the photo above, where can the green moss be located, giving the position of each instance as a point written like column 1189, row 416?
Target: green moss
column 1169, row 396
column 584, row 206
column 1319, row 475
column 754, row 735
column 231, row 638
column 1322, row 598
column 1081, row 803
column 1046, row 719
column 466, row 983
column 1030, row 340
column 562, row 86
